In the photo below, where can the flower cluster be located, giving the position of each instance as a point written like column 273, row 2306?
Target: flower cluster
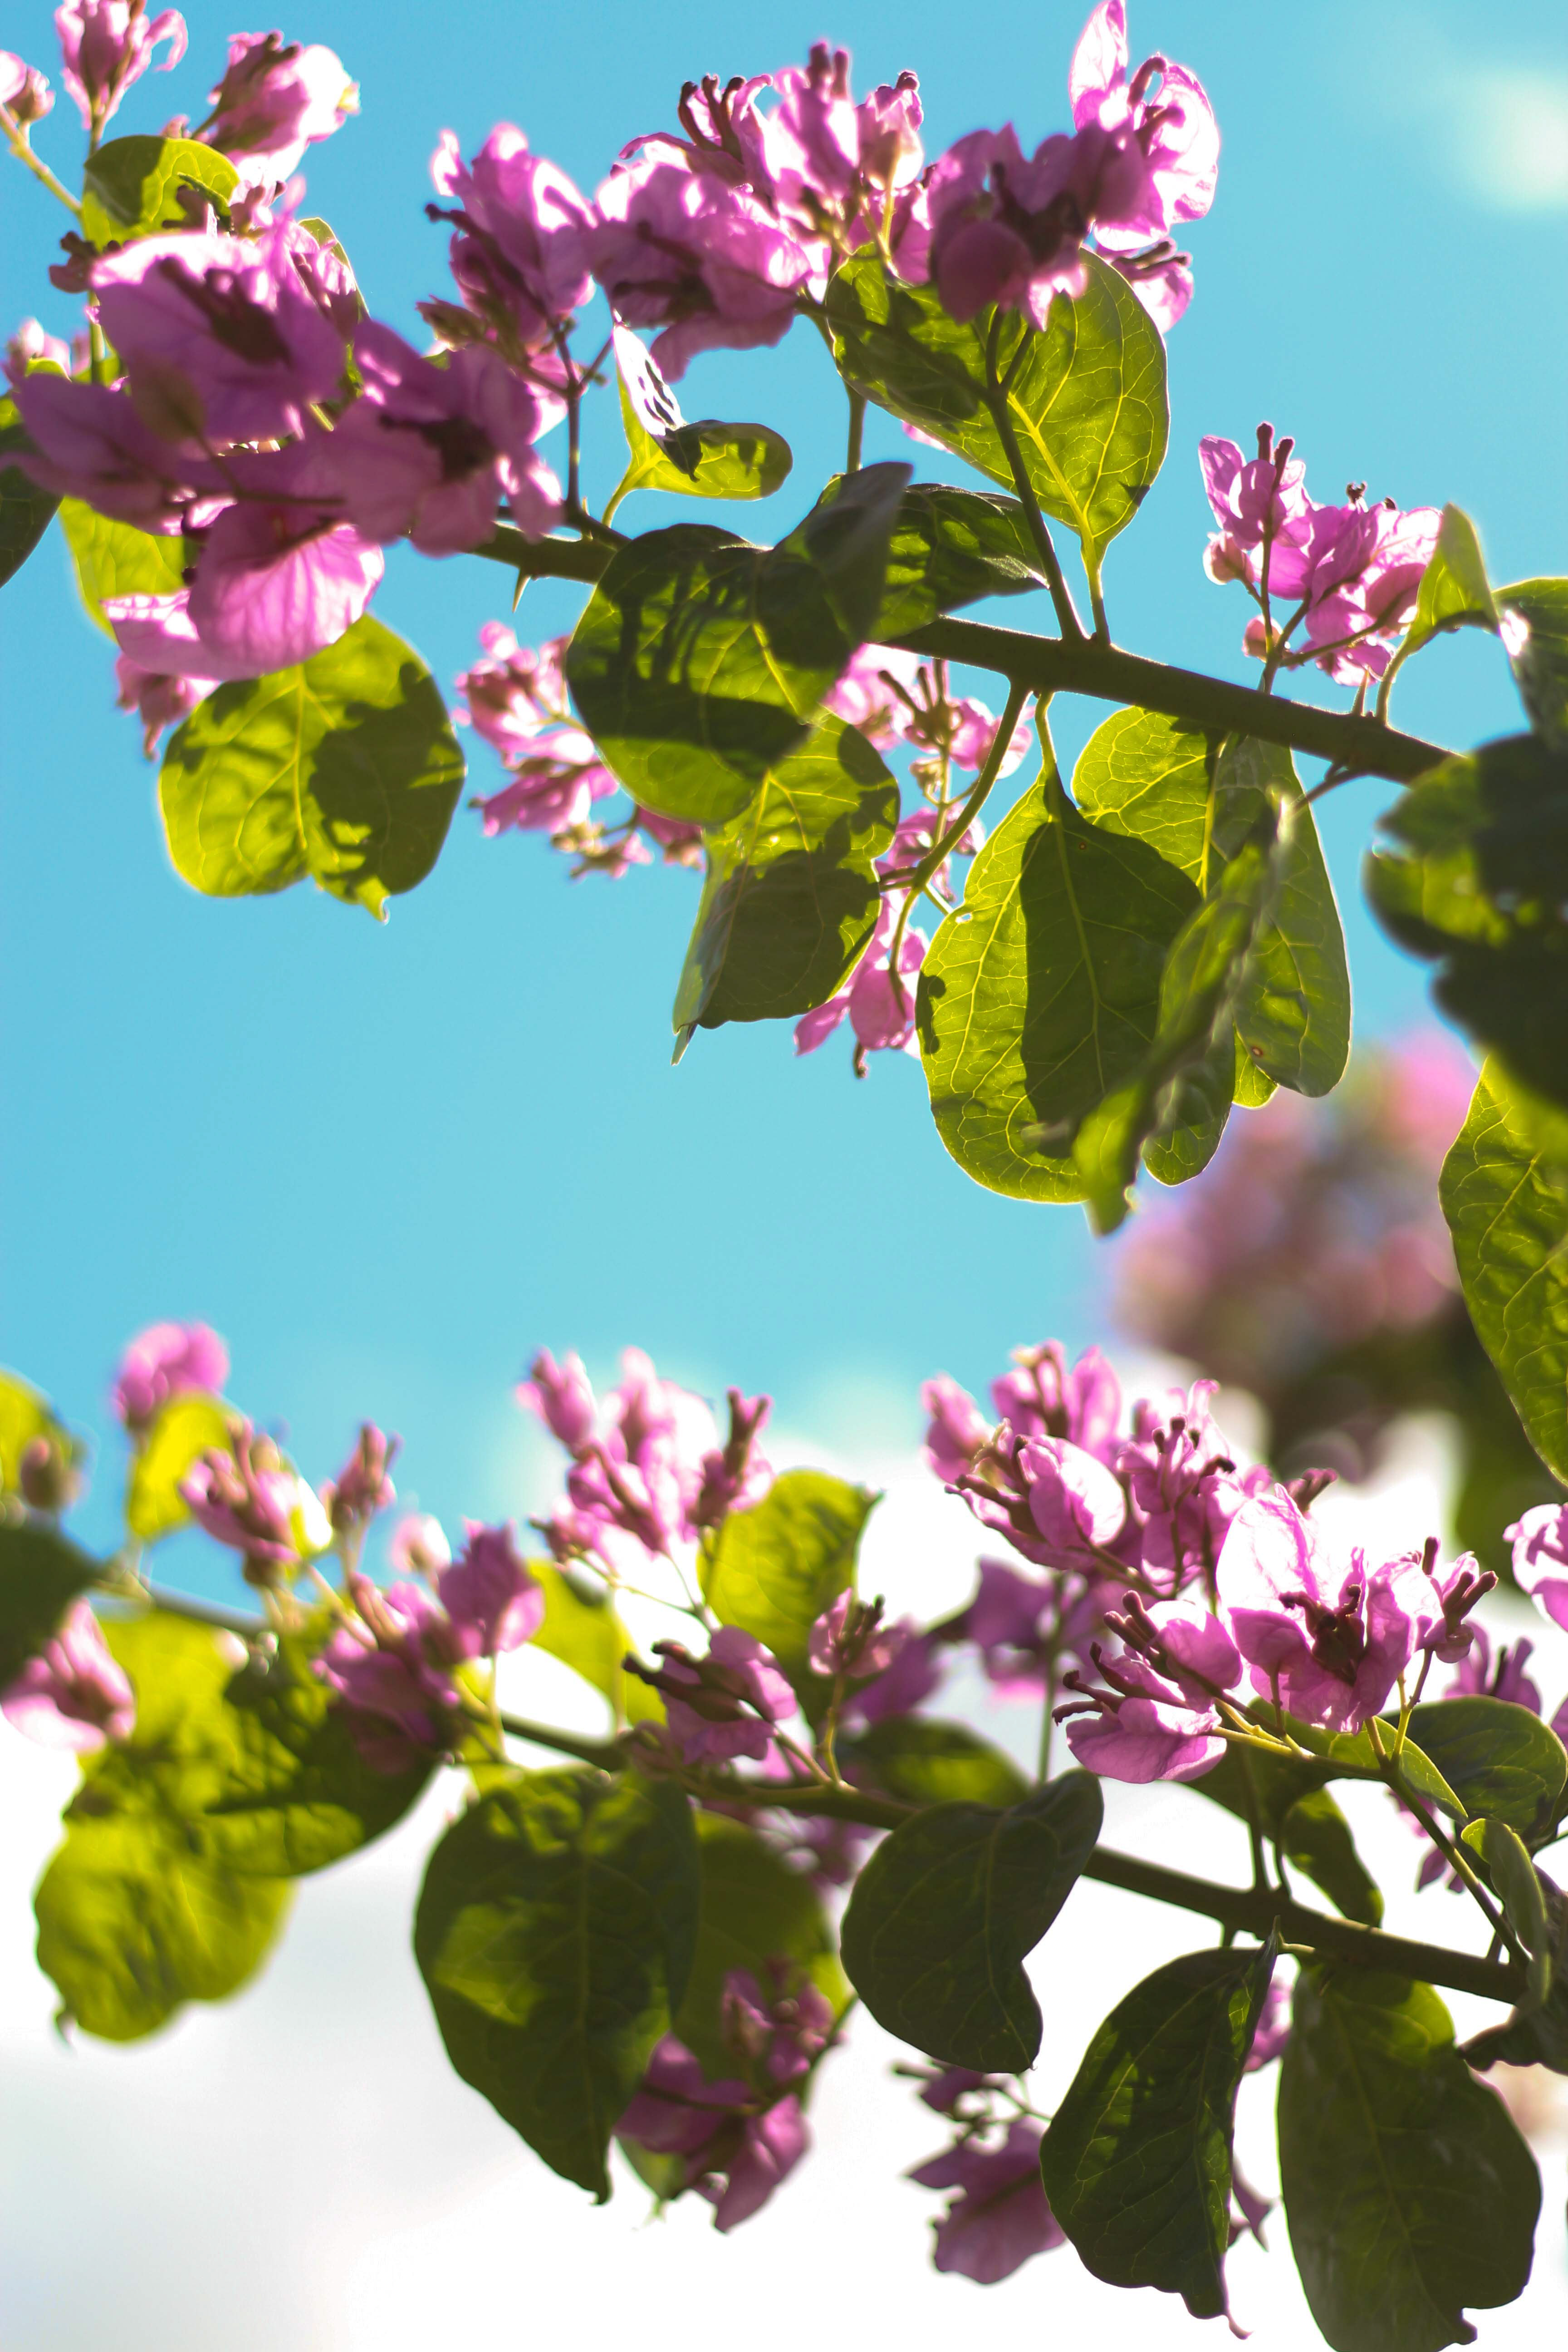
column 1188, row 1585
column 515, row 696
column 649, row 1472
column 734, row 2140
column 1350, row 571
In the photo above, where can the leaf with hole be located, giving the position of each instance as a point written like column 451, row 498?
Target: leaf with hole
column 1137, row 2161
column 344, row 768
column 947, row 1910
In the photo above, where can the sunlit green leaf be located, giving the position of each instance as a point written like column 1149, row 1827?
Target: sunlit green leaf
column 1454, row 592
column 774, row 1568
column 1137, row 2161
column 1538, row 635
column 344, row 768
column 704, row 461
column 184, row 1428
column 1498, row 1758
column 114, row 559
column 132, row 186
column 555, row 1934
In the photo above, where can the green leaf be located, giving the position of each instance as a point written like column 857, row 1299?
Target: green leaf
column 25, row 1414
column 1504, row 1191
column 114, row 559
column 755, row 1908
column 1041, row 993
column 182, row 1431
column 791, row 892
column 1541, row 661
column 1350, row 1756
column 1518, row 1889
column 136, row 1913
column 132, row 1924
column 951, row 547
column 1536, row 2032
column 297, row 1794
column 1409, row 2190
column 701, row 661
column 932, row 1763
column 581, row 1629
column 1498, row 1758
column 132, row 186
column 1086, row 404
column 24, row 509
column 705, row 460
column 1137, row 2161
column 1454, row 592
column 555, row 1933
column 1187, row 1074
column 344, row 768
column 949, row 1907
column 773, row 1569
column 40, row 1575
column 1296, row 1812
column 1483, row 892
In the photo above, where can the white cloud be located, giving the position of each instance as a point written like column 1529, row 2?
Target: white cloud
column 1510, row 137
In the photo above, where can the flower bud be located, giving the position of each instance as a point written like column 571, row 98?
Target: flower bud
column 47, row 1474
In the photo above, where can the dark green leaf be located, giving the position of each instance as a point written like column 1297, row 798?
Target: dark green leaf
column 791, row 895
column 1086, row 404
column 930, row 1763
column 24, row 509
column 114, row 559
column 344, row 768
column 1137, row 2160
column 1483, row 892
column 1497, row 1757
column 1454, row 592
column 132, row 186
column 554, row 1934
column 949, row 1907
column 1540, row 660
column 773, row 1569
column 705, row 460
column 297, row 1794
column 40, row 1575
column 1187, row 1073
column 701, row 661
column 1350, row 1756
column 1536, row 2034
column 1296, row 1812
column 182, row 1431
column 755, row 1908
column 1039, row 995
column 1520, row 1891
column 1409, row 2190
column 1504, row 1191
column 951, row 547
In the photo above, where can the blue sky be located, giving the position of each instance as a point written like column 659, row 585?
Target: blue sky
column 387, row 1162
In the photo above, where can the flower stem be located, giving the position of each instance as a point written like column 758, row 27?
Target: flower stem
column 17, row 140
column 1068, row 620
column 857, row 431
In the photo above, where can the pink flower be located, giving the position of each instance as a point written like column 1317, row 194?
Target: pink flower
column 1272, row 2032
column 362, row 1486
column 218, row 336
column 106, row 44
column 520, row 255
column 1332, row 1633
column 166, row 1359
column 1053, row 1502
column 159, row 700
column 736, row 1475
column 1044, row 1398
column 494, row 1603
column 1009, row 230
column 707, row 1699
column 735, row 2156
column 25, row 90
column 276, row 99
column 393, row 1666
column 1540, row 1542
column 1165, row 108
column 72, row 1694
column 427, row 451
column 562, row 1396
column 1141, row 1736
column 1158, row 1719
column 880, row 1003
column 850, row 1639
column 1480, row 1675
column 1186, row 1487
column 782, row 2031
column 1000, row 2216
column 957, row 1429
column 274, row 585
column 251, row 1500
column 90, row 444
column 419, row 1546
column 693, row 252
column 906, row 1682
column 865, row 694
column 30, row 346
